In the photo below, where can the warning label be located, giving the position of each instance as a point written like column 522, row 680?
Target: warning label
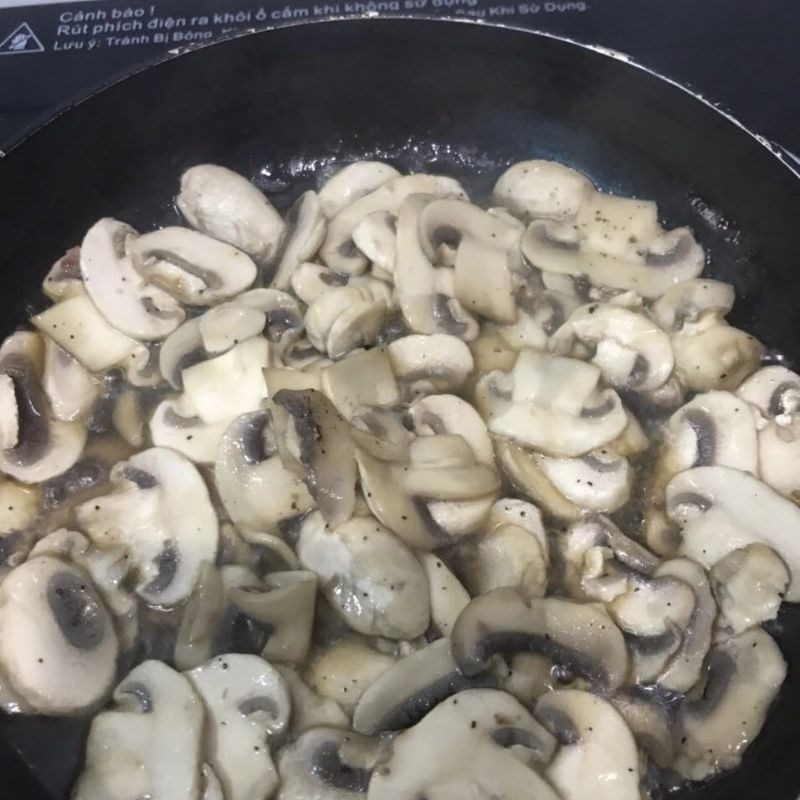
column 21, row 40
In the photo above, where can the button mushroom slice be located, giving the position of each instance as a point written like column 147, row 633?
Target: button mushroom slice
column 540, row 314
column 448, row 595
column 314, row 442
column 631, row 350
column 225, row 205
column 224, row 387
column 133, row 749
column 479, row 743
column 483, row 243
column 779, row 457
column 78, row 327
column 373, row 580
column 58, row 648
column 376, row 237
column 721, row 509
column 648, row 268
column 536, row 189
column 716, row 357
column 380, row 432
column 19, row 507
column 597, row 757
column 407, row 691
column 201, row 619
column 774, row 390
column 69, row 386
column 352, row 182
column 305, row 230
column 430, row 364
column 342, row 671
column 650, row 724
column 328, row 763
column 338, row 250
column 182, row 349
column 160, row 512
column 309, row 709
column 688, row 301
column 749, row 585
column 362, row 379
column 171, row 426
column 284, row 319
column 425, row 309
column 277, row 378
column 719, row 720
column 42, row 447
column 194, row 268
column 64, row 280
column 248, row 706
column 256, row 489
column 224, row 326
column 128, row 302
column 581, row 637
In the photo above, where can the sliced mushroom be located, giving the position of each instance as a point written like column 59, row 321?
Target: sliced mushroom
column 448, row 595
column 58, row 647
column 376, row 237
column 314, row 442
column 133, row 750
column 228, row 207
column 69, row 386
column 721, row 510
column 480, row 742
column 224, row 326
column 128, row 302
column 581, row 637
column 370, row 577
column 194, row 268
column 688, row 301
column 631, row 351
column 338, row 250
column 749, row 585
column 363, row 379
column 305, row 231
column 161, row 514
column 284, row 319
column 310, row 709
column 650, row 724
column 716, row 723
column 597, row 757
column 353, row 182
column 256, row 489
column 170, row 426
column 328, row 764
column 774, row 390
column 248, row 705
column 430, row 364
column 64, row 280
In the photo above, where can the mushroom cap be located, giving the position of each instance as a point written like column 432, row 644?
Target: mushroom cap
column 58, row 647
column 687, row 301
column 352, row 182
column 774, row 390
column 305, row 230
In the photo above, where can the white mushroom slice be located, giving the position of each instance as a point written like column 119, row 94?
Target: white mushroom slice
column 430, row 364
column 276, row 378
column 328, row 764
column 721, row 510
column 362, row 379
column 161, row 514
column 231, row 384
column 64, row 280
column 309, row 709
column 483, row 245
column 78, row 327
column 448, row 595
column 256, row 489
column 648, row 267
column 352, row 182
column 713, row 429
column 124, row 297
column 425, row 309
column 9, row 413
column 749, row 585
column 369, row 576
column 211, row 786
column 58, row 647
column 779, row 456
column 338, row 250
column 171, row 426
column 194, row 268
column 649, row 722
column 534, row 189
column 774, row 390
column 227, row 324
column 376, row 237
column 631, row 350
column 581, row 637
column 70, row 388
column 182, row 349
column 716, row 357
column 718, row 721
column 44, row 447
column 344, row 670
column 248, row 706
column 284, row 319
column 598, row 756
column 551, row 404
column 133, row 749
column 310, row 281
column 479, row 743
column 688, row 301
column 19, row 507
column 223, row 204
column 305, row 231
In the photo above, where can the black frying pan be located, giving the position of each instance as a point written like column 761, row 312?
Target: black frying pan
column 461, row 99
